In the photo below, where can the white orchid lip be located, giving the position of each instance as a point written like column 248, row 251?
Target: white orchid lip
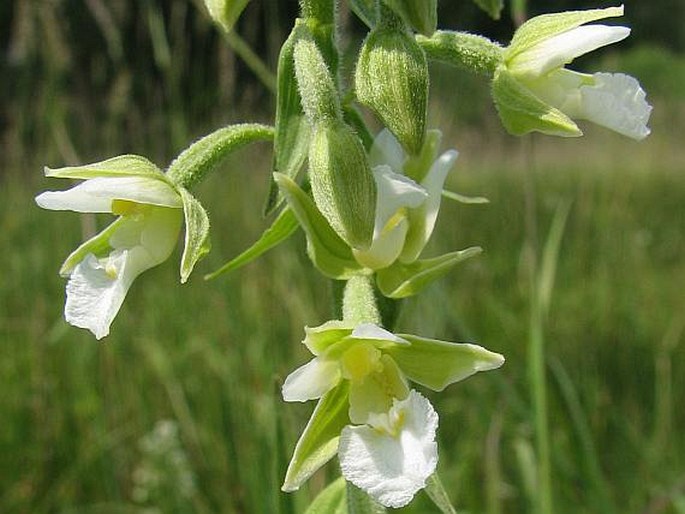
column 392, row 460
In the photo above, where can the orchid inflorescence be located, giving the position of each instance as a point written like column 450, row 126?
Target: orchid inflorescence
column 367, row 205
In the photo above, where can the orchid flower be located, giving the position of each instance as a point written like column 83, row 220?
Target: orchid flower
column 150, row 212
column 386, row 438
column 533, row 90
column 408, row 199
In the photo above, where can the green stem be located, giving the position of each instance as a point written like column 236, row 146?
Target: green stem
column 359, row 301
column 538, row 384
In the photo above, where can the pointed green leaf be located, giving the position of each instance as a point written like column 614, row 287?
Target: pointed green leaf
column 121, row 166
column 540, row 28
column 329, row 253
column 207, row 154
column 281, row 229
column 463, row 198
column 292, row 132
column 319, row 442
column 332, row 500
column 197, row 242
column 522, row 112
column 402, row 280
column 436, row 492
column 492, row 7
column 437, row 364
column 225, row 12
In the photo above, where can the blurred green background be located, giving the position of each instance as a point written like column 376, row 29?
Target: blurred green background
column 179, row 409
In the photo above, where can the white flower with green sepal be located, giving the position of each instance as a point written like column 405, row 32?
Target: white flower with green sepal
column 150, row 211
column 533, row 90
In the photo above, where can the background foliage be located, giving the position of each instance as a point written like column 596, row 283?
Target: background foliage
column 179, row 410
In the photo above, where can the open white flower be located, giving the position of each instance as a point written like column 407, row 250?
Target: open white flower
column 408, row 200
column 533, row 90
column 392, row 457
column 386, row 431
column 151, row 211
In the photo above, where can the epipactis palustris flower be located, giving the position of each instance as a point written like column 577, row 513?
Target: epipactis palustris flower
column 150, row 212
column 534, row 91
column 387, row 446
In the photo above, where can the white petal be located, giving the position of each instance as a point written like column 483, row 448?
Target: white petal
column 422, row 219
column 562, row 49
column 387, row 150
column 616, row 101
column 392, row 468
column 372, row 331
column 395, row 191
column 311, row 381
column 96, row 195
column 96, row 290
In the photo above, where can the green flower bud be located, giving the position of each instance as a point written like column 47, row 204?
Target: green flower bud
column 392, row 79
column 342, row 183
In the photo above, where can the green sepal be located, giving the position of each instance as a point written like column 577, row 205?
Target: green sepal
column 466, row 51
column 319, row 339
column 329, row 253
column 332, row 500
column 392, row 79
column 292, row 131
column 438, row 495
column 492, row 7
column 422, row 15
column 197, row 242
column 436, row 364
column 207, row 154
column 98, row 245
column 281, row 229
column 121, row 166
column 319, row 441
column 540, row 28
column 365, row 11
column 403, row 280
column 522, row 112
column 225, row 12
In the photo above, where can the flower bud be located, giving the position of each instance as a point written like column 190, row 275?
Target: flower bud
column 342, row 183
column 392, row 79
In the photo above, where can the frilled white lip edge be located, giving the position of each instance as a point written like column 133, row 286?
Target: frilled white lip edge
column 392, row 466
